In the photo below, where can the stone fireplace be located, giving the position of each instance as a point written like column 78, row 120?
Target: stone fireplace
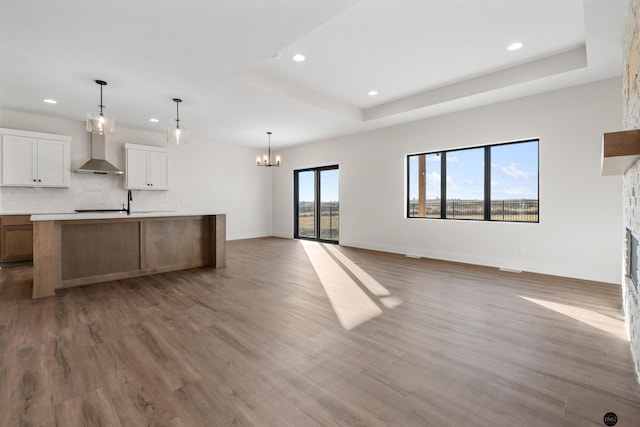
column 630, row 295
column 631, row 181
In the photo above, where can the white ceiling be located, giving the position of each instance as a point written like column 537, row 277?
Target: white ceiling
column 424, row 57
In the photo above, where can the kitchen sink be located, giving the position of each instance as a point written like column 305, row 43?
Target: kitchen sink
column 99, row 210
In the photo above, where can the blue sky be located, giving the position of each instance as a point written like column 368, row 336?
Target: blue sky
column 328, row 189
column 514, row 173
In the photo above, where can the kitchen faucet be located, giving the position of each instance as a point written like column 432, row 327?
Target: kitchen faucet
column 129, row 200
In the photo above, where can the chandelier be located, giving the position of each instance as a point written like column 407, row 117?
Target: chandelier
column 265, row 160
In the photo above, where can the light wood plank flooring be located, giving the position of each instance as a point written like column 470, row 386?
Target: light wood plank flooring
column 259, row 344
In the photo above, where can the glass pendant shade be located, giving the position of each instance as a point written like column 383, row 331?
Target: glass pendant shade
column 100, row 124
column 177, row 134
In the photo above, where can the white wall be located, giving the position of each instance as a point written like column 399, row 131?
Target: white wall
column 204, row 177
column 580, row 211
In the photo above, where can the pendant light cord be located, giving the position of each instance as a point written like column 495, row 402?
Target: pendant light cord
column 101, row 83
column 177, row 101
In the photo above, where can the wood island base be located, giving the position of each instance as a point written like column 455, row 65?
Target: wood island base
column 79, row 252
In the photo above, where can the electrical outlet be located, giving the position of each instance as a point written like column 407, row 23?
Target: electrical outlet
column 523, row 251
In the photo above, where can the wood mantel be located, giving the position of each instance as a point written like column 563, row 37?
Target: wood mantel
column 73, row 252
column 620, row 150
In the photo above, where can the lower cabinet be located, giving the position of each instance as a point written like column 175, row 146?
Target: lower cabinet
column 16, row 238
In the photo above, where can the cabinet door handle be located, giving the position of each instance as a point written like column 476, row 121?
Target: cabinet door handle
column 39, row 180
column 34, row 180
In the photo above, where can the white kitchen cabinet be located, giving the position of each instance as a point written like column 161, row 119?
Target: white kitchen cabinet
column 146, row 167
column 34, row 159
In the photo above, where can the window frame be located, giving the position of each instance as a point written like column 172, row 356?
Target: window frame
column 487, row 182
column 317, row 208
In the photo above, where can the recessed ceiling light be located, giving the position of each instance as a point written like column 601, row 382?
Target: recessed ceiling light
column 298, row 57
column 50, row 101
column 373, row 93
column 515, row 46
column 154, row 120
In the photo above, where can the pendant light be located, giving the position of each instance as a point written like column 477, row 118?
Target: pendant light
column 98, row 122
column 177, row 134
column 265, row 160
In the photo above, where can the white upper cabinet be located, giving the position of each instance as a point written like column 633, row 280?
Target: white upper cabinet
column 158, row 164
column 146, row 167
column 33, row 159
column 136, row 168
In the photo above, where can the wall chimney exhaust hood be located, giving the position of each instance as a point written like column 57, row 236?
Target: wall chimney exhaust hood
column 98, row 163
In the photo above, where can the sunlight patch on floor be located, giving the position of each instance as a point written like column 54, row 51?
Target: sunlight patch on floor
column 589, row 317
column 369, row 282
column 391, row 301
column 350, row 302
column 352, row 306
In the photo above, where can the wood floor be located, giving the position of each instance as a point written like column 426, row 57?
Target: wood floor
column 259, row 344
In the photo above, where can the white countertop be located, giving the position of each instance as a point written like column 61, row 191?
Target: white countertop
column 32, row 213
column 110, row 215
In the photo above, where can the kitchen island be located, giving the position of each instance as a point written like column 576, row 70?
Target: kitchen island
column 84, row 248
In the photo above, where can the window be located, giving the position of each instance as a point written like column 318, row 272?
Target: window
column 465, row 184
column 491, row 183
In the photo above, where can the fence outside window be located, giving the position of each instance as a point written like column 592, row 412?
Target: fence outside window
column 525, row 210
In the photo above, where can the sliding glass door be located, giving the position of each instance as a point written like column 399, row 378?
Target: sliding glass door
column 306, row 204
column 317, row 203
